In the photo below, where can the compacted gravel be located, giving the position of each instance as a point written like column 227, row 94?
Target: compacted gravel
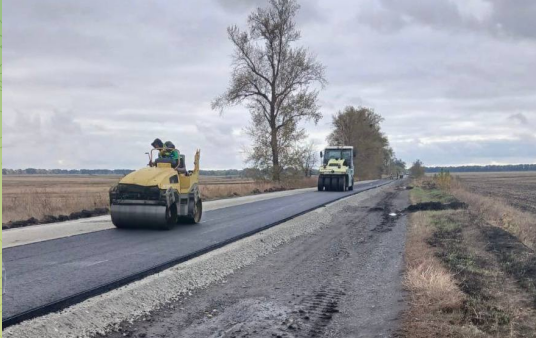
column 344, row 280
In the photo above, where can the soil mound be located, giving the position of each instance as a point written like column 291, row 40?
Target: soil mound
column 434, row 206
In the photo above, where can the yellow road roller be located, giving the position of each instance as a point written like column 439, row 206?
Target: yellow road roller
column 158, row 196
column 337, row 170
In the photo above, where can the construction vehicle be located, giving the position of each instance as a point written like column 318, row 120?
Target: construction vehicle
column 337, row 170
column 158, row 196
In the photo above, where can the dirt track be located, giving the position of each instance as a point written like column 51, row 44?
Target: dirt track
column 343, row 281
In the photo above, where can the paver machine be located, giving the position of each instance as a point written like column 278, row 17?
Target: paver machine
column 158, row 196
column 337, row 170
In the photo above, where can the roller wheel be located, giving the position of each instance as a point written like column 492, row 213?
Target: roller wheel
column 320, row 183
column 198, row 212
column 171, row 218
column 341, row 183
column 334, row 184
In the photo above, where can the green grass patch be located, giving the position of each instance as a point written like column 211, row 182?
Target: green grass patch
column 446, row 225
column 423, row 195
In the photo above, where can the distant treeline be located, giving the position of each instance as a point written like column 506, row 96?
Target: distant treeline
column 250, row 173
column 225, row 172
column 484, row 168
column 33, row 171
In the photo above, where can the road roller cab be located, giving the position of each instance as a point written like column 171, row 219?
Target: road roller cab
column 158, row 196
column 337, row 170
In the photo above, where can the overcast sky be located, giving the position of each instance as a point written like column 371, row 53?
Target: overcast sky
column 89, row 84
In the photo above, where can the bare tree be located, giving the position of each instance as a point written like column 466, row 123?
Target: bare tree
column 272, row 77
column 288, row 139
column 308, row 158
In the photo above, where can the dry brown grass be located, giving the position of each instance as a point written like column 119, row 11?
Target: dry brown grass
column 435, row 299
column 36, row 196
column 432, row 287
column 218, row 191
column 496, row 211
column 437, row 304
column 28, row 196
column 226, row 180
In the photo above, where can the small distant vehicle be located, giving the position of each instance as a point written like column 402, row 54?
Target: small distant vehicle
column 337, row 170
column 158, row 196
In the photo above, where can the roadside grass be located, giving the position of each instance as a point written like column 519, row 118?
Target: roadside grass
column 459, row 286
column 38, row 203
column 436, row 302
column 426, row 191
column 431, row 283
column 26, row 197
column 219, row 191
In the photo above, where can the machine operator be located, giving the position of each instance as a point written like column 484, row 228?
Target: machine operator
column 167, row 150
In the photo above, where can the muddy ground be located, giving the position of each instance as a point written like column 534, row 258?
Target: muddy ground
column 343, row 281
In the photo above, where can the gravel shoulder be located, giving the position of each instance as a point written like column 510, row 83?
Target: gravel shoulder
column 343, row 280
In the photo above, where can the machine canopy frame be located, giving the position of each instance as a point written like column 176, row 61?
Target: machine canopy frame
column 338, row 154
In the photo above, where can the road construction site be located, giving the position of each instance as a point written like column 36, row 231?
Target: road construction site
column 92, row 271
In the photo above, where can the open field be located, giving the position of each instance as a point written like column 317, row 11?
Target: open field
column 26, row 196
column 516, row 188
column 468, row 272
column 506, row 200
column 36, row 196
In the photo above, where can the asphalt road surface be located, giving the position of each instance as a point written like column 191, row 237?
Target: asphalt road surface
column 45, row 272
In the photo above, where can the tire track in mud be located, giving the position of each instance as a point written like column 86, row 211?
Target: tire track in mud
column 317, row 310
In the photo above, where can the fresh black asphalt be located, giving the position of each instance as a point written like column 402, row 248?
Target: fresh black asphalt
column 45, row 272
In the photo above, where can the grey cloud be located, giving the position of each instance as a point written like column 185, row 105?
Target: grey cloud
column 520, row 118
column 514, row 17
column 505, row 18
column 388, row 15
column 241, row 5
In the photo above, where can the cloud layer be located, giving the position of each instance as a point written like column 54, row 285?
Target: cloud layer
column 90, row 84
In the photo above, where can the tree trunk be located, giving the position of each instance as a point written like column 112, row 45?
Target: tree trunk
column 275, row 156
